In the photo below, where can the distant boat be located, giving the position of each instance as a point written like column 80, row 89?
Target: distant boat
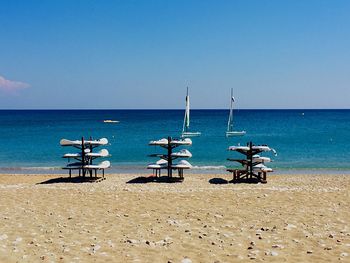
column 186, row 126
column 230, row 131
column 110, row 121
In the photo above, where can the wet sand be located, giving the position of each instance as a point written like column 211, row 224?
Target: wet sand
column 293, row 218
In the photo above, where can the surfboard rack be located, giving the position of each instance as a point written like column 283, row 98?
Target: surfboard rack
column 166, row 161
column 85, row 157
column 253, row 169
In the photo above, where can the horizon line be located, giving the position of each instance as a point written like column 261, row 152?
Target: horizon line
column 58, row 109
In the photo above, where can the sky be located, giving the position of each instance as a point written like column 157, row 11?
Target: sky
column 136, row 54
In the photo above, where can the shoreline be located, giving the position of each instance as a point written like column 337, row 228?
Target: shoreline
column 196, row 170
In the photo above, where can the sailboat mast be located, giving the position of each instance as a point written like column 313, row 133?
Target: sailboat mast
column 186, row 124
column 230, row 118
column 232, row 102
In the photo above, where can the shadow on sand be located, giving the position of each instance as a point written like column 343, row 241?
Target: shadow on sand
column 154, row 179
column 218, row 181
column 73, row 180
column 239, row 181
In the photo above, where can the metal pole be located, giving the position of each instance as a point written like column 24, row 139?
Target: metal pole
column 250, row 160
column 170, row 163
column 90, row 162
column 82, row 156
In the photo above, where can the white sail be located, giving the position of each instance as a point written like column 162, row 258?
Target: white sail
column 230, row 131
column 186, row 125
column 230, row 117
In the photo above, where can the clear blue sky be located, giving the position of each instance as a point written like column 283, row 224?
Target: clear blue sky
column 143, row 54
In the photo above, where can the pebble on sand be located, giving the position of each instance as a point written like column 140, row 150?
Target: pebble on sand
column 273, row 253
column 186, row 260
column 3, row 237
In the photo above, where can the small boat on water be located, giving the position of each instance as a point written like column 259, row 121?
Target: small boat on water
column 186, row 126
column 110, row 121
column 230, row 131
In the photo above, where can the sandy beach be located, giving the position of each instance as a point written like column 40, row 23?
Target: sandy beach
column 294, row 218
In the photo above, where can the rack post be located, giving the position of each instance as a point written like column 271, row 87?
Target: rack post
column 82, row 156
column 90, row 161
column 250, row 160
column 170, row 161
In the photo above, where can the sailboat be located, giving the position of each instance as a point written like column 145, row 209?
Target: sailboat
column 186, row 126
column 230, row 131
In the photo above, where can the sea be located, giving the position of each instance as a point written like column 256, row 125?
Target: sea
column 311, row 141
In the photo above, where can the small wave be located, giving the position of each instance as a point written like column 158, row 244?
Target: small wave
column 209, row 167
column 30, row 168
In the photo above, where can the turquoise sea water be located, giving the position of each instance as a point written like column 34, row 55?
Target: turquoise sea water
column 304, row 139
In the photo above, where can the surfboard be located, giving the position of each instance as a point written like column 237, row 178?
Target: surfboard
column 159, row 142
column 103, row 165
column 261, row 159
column 102, row 153
column 71, row 155
column 102, row 141
column 186, row 141
column 261, row 167
column 65, row 142
column 182, row 153
column 239, row 148
column 160, row 164
column 182, row 164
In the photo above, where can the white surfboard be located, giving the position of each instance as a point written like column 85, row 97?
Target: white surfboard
column 102, row 153
column 262, row 148
column 72, row 155
column 159, row 142
column 103, row 165
column 186, row 141
column 239, row 148
column 183, row 153
column 102, row 141
column 257, row 158
column 75, row 155
column 262, row 168
column 65, row 142
column 160, row 164
column 182, row 164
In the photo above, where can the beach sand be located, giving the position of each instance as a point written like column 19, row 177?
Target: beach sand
column 295, row 218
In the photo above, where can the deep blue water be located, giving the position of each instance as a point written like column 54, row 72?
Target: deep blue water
column 318, row 139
